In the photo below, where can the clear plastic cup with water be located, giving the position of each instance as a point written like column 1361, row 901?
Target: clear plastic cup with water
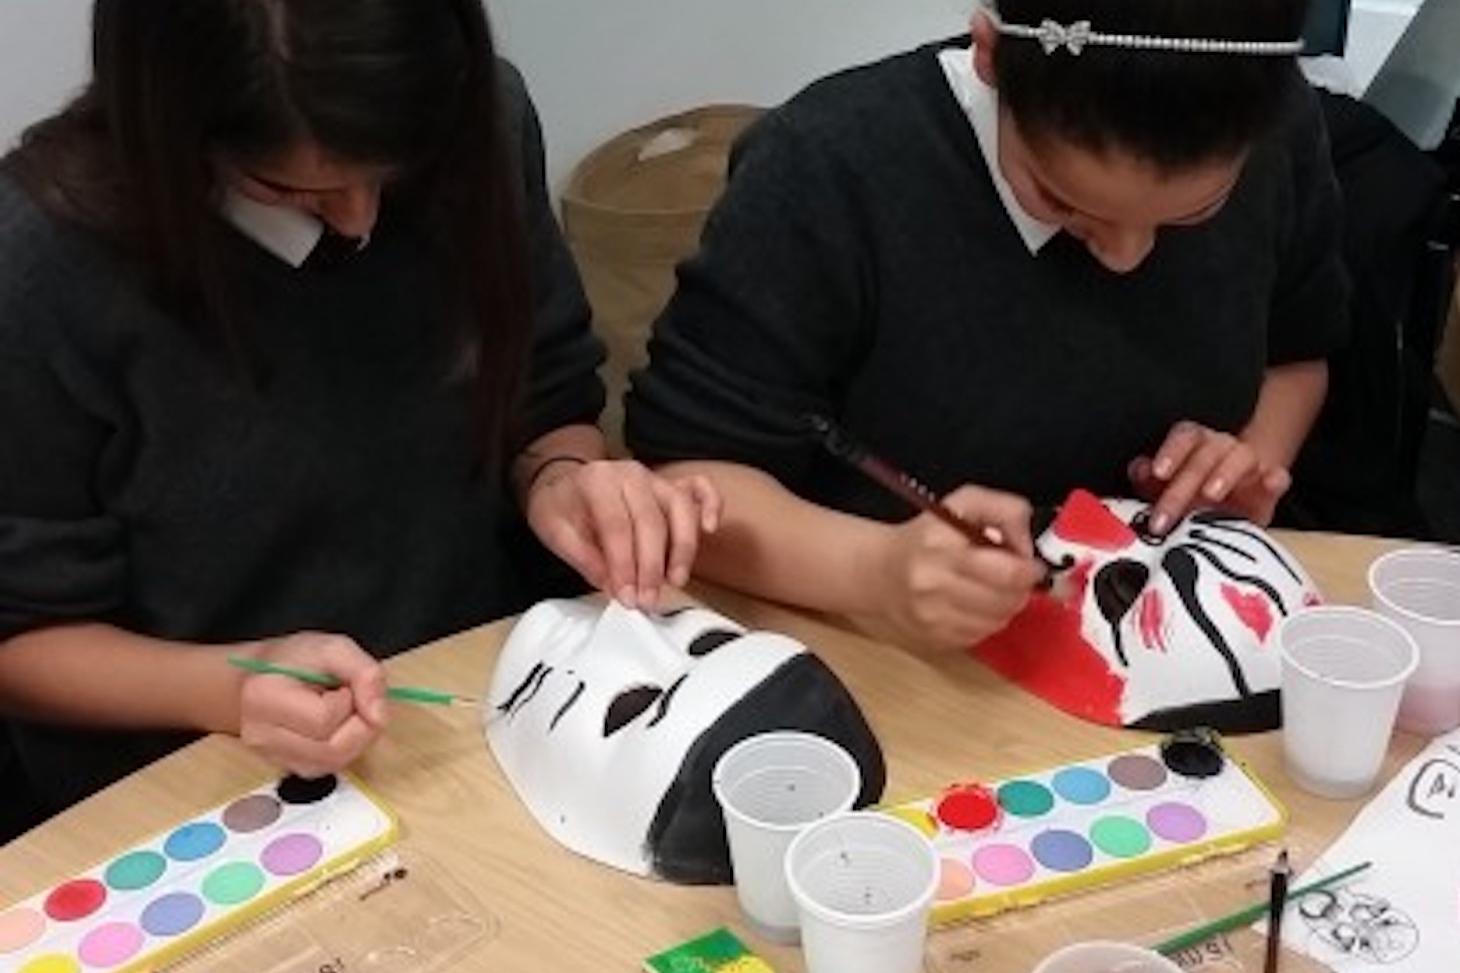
column 770, row 787
column 1419, row 589
column 1344, row 670
column 864, row 883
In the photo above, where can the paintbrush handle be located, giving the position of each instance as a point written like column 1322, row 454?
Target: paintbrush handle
column 1277, row 905
column 405, row 694
column 1249, row 915
column 913, row 492
column 413, row 694
column 262, row 668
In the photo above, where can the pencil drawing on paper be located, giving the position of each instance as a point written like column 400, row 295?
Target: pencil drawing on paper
column 1364, row 927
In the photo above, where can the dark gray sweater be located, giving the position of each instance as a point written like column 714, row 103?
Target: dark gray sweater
column 861, row 264
column 146, row 483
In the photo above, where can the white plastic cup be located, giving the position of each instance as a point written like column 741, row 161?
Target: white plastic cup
column 1343, row 673
column 770, row 787
column 1419, row 588
column 1106, row 957
column 864, row 883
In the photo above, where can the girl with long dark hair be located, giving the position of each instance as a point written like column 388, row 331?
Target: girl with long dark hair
column 289, row 341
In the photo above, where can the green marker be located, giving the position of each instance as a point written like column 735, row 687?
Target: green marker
column 404, row 694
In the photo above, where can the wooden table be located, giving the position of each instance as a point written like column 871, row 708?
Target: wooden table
column 937, row 723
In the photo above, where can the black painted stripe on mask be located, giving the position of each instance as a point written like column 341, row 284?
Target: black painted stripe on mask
column 533, row 691
column 1206, row 538
column 1211, row 518
column 666, row 699
column 1253, row 580
column 563, row 711
column 1181, row 566
column 537, row 672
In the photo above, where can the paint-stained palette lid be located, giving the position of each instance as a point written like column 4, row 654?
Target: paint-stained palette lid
column 1154, row 632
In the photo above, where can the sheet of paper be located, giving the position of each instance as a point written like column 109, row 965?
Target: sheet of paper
column 1402, row 915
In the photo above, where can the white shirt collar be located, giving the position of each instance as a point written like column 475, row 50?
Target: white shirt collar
column 981, row 104
column 283, row 231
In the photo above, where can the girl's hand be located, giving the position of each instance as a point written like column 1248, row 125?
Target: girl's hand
column 1200, row 467
column 624, row 528
column 305, row 729
column 938, row 590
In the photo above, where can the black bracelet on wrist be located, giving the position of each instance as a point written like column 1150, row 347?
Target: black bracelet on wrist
column 542, row 467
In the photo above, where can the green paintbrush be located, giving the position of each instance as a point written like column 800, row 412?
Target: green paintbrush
column 1249, row 915
column 405, row 694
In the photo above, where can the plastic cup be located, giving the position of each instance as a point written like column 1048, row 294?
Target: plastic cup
column 1419, row 588
column 1343, row 673
column 770, row 787
column 864, row 883
column 1106, row 957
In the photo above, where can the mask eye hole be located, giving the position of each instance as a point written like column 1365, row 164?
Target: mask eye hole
column 628, row 706
column 704, row 644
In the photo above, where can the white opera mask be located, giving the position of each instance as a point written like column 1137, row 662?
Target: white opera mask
column 608, row 722
column 1156, row 632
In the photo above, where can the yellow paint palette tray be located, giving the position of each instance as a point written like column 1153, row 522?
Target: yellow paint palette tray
column 175, row 893
column 1018, row 842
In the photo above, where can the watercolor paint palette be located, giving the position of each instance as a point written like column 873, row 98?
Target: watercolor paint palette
column 155, row 903
column 1018, row 842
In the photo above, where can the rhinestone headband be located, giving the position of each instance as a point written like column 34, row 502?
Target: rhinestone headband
column 1079, row 35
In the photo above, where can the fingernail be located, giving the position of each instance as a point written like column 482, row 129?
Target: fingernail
column 1215, row 489
column 679, row 577
column 1162, row 468
column 626, row 596
column 1160, row 522
column 648, row 597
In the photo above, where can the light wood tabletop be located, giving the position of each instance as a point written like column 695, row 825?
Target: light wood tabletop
column 938, row 722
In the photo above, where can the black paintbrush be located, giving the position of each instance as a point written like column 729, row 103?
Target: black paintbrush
column 916, row 495
column 1277, row 903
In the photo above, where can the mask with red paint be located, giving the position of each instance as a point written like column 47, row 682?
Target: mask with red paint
column 1156, row 632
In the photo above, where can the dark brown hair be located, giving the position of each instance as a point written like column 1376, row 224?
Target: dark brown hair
column 409, row 83
column 1172, row 109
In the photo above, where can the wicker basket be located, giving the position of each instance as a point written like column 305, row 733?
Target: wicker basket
column 632, row 210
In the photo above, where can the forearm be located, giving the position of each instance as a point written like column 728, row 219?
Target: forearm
column 1289, row 403
column 565, row 445
column 99, row 675
column 773, row 544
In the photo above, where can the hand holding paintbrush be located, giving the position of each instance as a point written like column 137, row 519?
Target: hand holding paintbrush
column 954, row 576
column 919, row 497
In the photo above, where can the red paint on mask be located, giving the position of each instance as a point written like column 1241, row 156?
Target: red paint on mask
column 1252, row 609
column 1152, row 616
column 1084, row 520
column 1043, row 650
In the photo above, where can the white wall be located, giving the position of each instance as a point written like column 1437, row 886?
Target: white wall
column 597, row 67
column 601, row 66
column 44, row 55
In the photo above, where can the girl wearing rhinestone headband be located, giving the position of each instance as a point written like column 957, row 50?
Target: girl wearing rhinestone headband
column 1097, row 247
